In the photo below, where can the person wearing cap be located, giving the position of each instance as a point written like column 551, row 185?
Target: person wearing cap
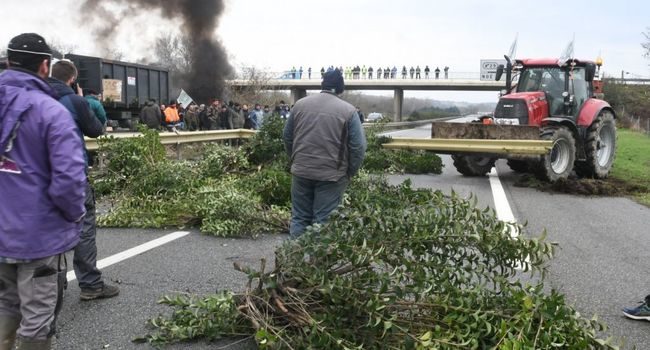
column 42, row 186
column 325, row 142
column 96, row 106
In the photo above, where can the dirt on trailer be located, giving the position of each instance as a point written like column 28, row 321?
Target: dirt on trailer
column 610, row 187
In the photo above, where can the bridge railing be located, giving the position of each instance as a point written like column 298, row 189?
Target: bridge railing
column 315, row 75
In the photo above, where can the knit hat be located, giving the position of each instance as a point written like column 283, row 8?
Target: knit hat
column 27, row 49
column 333, row 81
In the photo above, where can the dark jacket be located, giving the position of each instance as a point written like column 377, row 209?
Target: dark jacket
column 42, row 197
column 324, row 138
column 88, row 124
column 151, row 116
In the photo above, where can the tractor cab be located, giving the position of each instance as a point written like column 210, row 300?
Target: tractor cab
column 538, row 89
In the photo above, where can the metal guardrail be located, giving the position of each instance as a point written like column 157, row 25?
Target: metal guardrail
column 173, row 138
column 520, row 147
column 523, row 147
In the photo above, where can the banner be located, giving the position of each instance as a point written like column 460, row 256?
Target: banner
column 184, row 99
column 112, row 90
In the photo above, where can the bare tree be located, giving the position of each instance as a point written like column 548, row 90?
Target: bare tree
column 59, row 48
column 256, row 89
column 645, row 44
column 171, row 51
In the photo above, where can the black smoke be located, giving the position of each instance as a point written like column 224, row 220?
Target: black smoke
column 199, row 20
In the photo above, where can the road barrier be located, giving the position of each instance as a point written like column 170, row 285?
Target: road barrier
column 519, row 147
column 179, row 137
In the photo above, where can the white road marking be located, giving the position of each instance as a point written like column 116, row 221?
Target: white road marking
column 502, row 208
column 501, row 205
column 129, row 253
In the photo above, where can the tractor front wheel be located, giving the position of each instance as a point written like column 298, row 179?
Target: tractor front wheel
column 557, row 164
column 600, row 147
column 473, row 165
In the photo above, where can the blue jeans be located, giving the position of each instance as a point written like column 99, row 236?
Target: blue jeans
column 312, row 201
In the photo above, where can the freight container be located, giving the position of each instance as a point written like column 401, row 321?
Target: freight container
column 125, row 87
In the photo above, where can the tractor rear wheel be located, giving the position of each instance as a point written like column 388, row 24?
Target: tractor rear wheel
column 518, row 166
column 600, row 147
column 557, row 164
column 473, row 165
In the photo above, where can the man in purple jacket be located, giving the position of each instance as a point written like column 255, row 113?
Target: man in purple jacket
column 42, row 184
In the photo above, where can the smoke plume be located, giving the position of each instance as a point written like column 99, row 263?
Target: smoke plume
column 199, row 19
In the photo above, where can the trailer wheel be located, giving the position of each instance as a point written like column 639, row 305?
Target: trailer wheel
column 473, row 165
column 600, row 147
column 558, row 164
column 518, row 166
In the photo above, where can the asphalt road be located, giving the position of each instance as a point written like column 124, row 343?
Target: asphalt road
column 599, row 266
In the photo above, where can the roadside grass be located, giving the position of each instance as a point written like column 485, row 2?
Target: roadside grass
column 632, row 164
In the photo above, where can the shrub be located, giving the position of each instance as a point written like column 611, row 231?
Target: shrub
column 267, row 145
column 395, row 268
column 271, row 184
column 219, row 160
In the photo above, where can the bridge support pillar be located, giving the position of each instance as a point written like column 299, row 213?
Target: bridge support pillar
column 297, row 93
column 398, row 100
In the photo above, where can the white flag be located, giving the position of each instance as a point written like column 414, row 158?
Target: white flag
column 513, row 48
column 184, row 99
column 568, row 52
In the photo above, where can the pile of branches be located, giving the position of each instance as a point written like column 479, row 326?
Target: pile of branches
column 394, row 268
column 227, row 191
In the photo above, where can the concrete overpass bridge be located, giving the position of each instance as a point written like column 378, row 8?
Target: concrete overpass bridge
column 299, row 87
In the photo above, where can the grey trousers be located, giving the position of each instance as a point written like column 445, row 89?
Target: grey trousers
column 85, row 253
column 33, row 293
column 312, row 202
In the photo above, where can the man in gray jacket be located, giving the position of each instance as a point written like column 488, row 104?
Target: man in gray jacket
column 326, row 144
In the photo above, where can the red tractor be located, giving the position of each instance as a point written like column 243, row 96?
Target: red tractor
column 545, row 99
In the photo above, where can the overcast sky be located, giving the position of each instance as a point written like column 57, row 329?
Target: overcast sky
column 279, row 34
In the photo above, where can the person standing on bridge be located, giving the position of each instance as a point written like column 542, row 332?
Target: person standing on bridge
column 437, row 72
column 309, row 73
column 387, row 73
column 417, row 73
column 364, row 72
column 42, row 183
column 326, row 144
column 446, row 72
column 426, row 72
column 379, row 71
column 370, row 71
column 403, row 72
column 393, row 73
column 411, row 72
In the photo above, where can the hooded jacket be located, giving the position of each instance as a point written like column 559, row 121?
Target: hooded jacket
column 87, row 123
column 42, row 179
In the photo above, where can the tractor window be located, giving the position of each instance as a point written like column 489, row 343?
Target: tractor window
column 578, row 87
column 547, row 79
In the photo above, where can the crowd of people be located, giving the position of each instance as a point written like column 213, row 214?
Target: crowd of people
column 363, row 72
column 218, row 115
